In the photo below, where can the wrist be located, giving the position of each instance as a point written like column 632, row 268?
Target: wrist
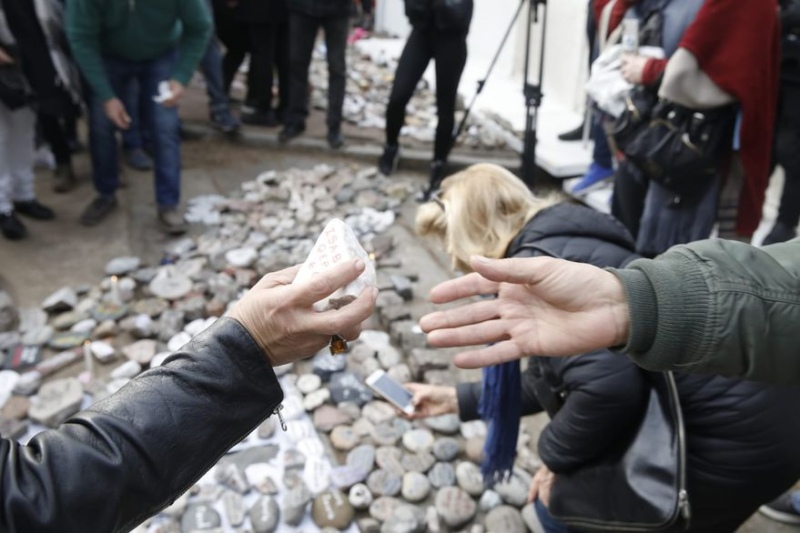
column 451, row 400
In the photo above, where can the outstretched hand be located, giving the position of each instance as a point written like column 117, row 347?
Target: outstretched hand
column 432, row 400
column 281, row 318
column 544, row 306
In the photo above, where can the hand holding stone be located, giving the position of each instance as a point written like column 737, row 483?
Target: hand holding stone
column 281, row 318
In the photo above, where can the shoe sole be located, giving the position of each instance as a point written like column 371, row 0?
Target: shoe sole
column 779, row 516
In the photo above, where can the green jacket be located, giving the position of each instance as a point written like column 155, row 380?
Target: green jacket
column 717, row 307
column 136, row 30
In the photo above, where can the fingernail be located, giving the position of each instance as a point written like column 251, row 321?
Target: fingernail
column 360, row 264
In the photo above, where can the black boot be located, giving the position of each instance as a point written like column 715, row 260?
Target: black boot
column 574, row 135
column 11, row 227
column 438, row 171
column 35, row 210
column 389, row 159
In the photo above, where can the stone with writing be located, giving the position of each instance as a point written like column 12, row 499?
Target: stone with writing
column 383, row 507
column 455, row 506
column 360, row 497
column 379, row 412
column 56, row 401
column 331, row 509
column 469, row 478
column 337, row 243
column 405, row 519
column 232, row 476
column 388, row 458
column 201, row 517
column 233, row 504
column 22, row 357
column 418, row 462
column 264, row 515
column 344, row 438
column 317, row 474
column 384, row 483
column 327, row 417
column 63, row 299
column 311, row 447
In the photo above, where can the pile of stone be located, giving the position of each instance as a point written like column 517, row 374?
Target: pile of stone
column 346, row 459
column 369, row 83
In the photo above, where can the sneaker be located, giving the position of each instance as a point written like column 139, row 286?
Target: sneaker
column 11, row 227
column 574, row 135
column 137, row 159
column 780, row 233
column 224, row 121
column 253, row 117
column 595, row 177
column 290, row 131
column 387, row 163
column 98, row 210
column 34, row 210
column 171, row 220
column 335, row 139
column 785, row 509
column 438, row 170
column 63, row 179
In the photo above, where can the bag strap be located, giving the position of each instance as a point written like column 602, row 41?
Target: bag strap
column 603, row 38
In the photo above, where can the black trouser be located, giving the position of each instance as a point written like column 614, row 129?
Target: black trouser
column 233, row 34
column 788, row 152
column 303, row 36
column 269, row 52
column 366, row 7
column 55, row 131
column 449, row 50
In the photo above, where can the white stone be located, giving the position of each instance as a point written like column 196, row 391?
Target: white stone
column 129, row 369
column 315, row 399
column 170, row 285
column 122, row 265
column 116, row 385
column 177, row 341
column 308, row 383
column 242, row 257
column 8, row 380
column 61, row 300
column 103, row 351
column 159, row 358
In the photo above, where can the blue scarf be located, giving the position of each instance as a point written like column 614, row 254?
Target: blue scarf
column 500, row 408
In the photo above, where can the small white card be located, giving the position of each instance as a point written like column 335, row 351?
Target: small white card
column 337, row 243
column 164, row 93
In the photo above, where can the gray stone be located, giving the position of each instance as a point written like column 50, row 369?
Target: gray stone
column 257, row 454
column 531, row 519
column 293, row 459
column 169, row 324
column 446, row 449
column 514, row 490
column 9, row 316
column 141, row 351
column 418, row 462
column 128, row 369
column 416, row 487
column 294, row 505
column 455, row 506
column 363, row 427
column 264, row 515
column 442, row 475
column 344, row 477
column 360, row 497
column 383, row 508
column 57, row 401
column 473, row 428
column 418, row 440
column 152, row 307
column 346, row 387
column 233, row 503
column 29, row 382
column 506, row 519
column 11, row 428
column 57, row 362
column 388, row 458
column 308, row 383
column 325, row 366
column 344, row 438
column 331, row 509
column 327, row 417
column 200, row 517
column 68, row 319
column 37, row 336
column 403, row 287
column 389, row 356
column 474, row 449
column 266, row 429
column 384, row 483
column 109, row 311
column 362, row 459
column 446, row 424
column 232, row 476
column 470, row 478
column 422, row 360
column 120, row 266
column 106, row 328
column 405, row 519
column 379, row 412
column 489, row 500
column 408, row 335
column 63, row 299
column 67, row 340
column 170, row 285
column 385, row 434
column 368, row 525
column 400, row 373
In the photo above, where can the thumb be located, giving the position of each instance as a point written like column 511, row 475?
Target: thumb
column 519, row 271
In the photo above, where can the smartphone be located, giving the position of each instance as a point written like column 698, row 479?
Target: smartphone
column 391, row 390
column 630, row 36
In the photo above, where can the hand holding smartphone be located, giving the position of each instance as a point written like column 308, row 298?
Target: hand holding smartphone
column 394, row 393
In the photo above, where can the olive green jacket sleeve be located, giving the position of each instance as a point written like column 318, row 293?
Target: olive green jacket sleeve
column 717, row 306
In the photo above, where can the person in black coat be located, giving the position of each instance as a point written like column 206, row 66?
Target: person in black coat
column 741, row 443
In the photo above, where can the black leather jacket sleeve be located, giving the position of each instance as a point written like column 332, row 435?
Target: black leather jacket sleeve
column 122, row 460
column 469, row 399
column 606, row 399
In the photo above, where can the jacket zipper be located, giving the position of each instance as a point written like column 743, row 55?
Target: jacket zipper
column 132, row 5
column 277, row 412
column 683, row 495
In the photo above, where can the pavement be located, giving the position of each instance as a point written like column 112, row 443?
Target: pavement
column 63, row 252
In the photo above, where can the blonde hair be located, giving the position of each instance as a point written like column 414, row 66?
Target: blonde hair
column 482, row 209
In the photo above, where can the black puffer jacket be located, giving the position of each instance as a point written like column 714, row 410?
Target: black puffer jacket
column 321, row 8
column 112, row 466
column 742, row 438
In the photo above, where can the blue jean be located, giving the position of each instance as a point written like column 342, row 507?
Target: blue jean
column 163, row 123
column 602, row 152
column 137, row 136
column 550, row 524
column 211, row 67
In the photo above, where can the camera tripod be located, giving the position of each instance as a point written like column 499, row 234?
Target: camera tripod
column 531, row 91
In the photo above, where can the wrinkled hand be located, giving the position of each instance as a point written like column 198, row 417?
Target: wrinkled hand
column 176, row 88
column 541, row 485
column 5, row 59
column 280, row 316
column 544, row 306
column 633, row 68
column 432, row 400
column 115, row 111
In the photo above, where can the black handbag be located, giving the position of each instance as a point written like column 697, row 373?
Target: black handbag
column 683, row 149
column 15, row 92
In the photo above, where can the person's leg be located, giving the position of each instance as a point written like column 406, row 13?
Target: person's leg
column 136, row 138
column 303, row 34
column 21, row 154
column 260, row 76
column 55, row 133
column 450, row 54
column 233, row 35
column 788, row 153
column 336, row 42
column 10, row 226
column 549, row 524
column 167, row 146
column 281, row 46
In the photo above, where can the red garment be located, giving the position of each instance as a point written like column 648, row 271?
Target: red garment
column 617, row 12
column 653, row 70
column 737, row 43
